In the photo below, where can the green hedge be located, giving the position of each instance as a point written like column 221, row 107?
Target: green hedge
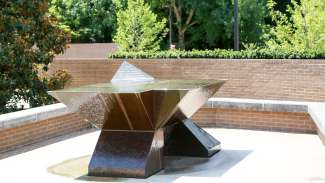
column 227, row 54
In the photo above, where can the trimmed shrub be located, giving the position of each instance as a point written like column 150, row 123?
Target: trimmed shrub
column 225, row 54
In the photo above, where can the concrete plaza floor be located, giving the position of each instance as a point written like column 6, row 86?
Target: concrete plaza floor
column 247, row 156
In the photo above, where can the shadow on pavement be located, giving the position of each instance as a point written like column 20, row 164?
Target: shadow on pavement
column 175, row 167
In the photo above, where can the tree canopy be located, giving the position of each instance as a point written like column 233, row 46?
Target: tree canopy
column 87, row 20
column 208, row 24
column 196, row 24
column 302, row 27
column 138, row 28
column 29, row 38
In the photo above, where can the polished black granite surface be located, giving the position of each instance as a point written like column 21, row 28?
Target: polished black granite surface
column 142, row 119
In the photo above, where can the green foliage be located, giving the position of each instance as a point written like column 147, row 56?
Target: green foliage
column 252, row 15
column 304, row 28
column 208, row 24
column 88, row 20
column 138, row 28
column 28, row 37
column 215, row 23
column 57, row 80
column 213, row 26
column 197, row 23
column 54, row 81
column 253, row 53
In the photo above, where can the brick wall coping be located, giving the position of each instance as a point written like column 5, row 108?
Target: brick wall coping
column 317, row 113
column 19, row 118
column 258, row 105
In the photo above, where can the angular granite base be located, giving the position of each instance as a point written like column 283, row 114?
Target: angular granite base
column 188, row 139
column 127, row 154
column 140, row 154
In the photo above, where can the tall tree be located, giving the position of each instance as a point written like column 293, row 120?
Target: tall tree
column 29, row 37
column 139, row 28
column 207, row 24
column 183, row 11
column 88, row 20
column 253, row 15
column 304, row 28
column 214, row 26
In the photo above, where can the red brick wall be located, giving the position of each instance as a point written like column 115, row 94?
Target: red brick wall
column 259, row 79
column 84, row 51
column 40, row 131
column 246, row 119
column 298, row 80
column 206, row 117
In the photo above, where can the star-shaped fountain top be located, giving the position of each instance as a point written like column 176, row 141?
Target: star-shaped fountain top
column 134, row 92
column 130, row 79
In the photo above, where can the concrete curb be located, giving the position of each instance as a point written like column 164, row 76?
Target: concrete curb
column 15, row 119
column 257, row 105
column 317, row 113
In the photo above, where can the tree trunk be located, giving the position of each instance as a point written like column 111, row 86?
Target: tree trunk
column 181, row 39
column 182, row 26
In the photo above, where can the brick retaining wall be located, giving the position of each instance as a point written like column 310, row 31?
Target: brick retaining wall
column 295, row 80
column 249, row 119
column 12, row 138
column 290, row 80
column 30, row 133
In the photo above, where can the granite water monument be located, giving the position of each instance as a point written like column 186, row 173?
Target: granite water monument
column 142, row 120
